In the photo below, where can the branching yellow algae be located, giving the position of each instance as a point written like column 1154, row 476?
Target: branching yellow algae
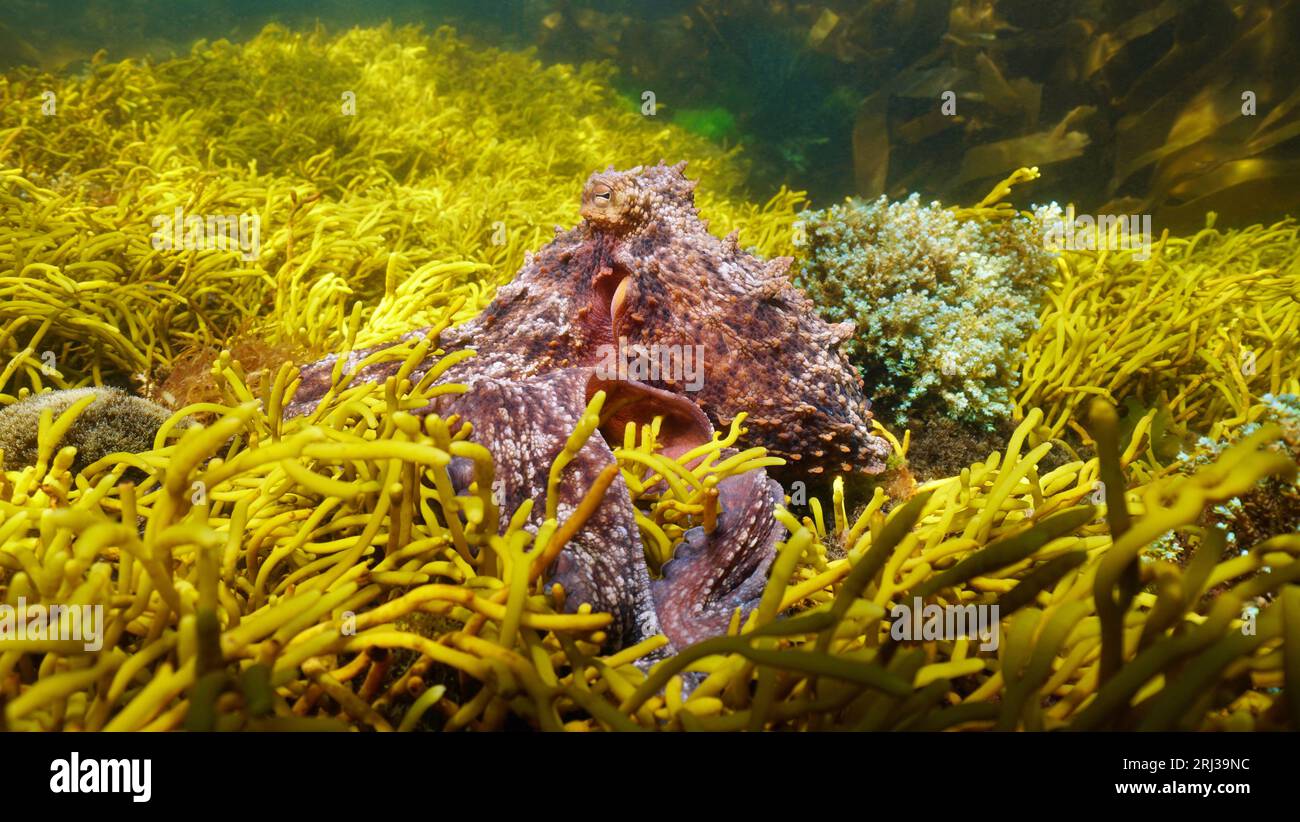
column 1205, row 325
column 289, row 553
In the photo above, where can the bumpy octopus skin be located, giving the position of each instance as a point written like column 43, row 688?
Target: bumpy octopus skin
column 643, row 267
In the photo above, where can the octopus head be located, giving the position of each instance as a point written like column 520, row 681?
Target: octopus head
column 638, row 200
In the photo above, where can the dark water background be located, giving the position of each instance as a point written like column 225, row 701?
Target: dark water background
column 841, row 98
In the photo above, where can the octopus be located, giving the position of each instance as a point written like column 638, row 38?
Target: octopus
column 641, row 272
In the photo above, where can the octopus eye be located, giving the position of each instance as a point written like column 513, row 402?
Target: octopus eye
column 601, row 194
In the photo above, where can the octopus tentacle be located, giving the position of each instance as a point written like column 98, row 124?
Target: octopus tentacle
column 525, row 423
column 713, row 574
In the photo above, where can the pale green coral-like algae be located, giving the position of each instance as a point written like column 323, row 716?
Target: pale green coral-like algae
column 942, row 303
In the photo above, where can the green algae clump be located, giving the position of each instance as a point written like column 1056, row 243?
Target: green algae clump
column 111, row 421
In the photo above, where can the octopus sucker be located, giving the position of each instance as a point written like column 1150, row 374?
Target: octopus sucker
column 641, row 268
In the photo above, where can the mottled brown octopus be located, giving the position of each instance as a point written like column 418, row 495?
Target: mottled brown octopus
column 642, row 269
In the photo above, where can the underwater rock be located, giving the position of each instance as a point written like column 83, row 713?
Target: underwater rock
column 115, row 421
column 1270, row 509
column 642, row 301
